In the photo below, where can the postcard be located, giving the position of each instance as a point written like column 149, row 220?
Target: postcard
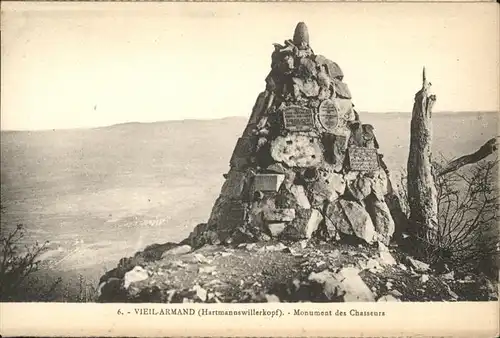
column 249, row 169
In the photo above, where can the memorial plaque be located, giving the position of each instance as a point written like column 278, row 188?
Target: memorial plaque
column 333, row 115
column 268, row 182
column 296, row 118
column 328, row 115
column 363, row 159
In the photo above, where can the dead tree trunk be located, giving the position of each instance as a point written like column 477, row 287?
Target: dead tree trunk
column 422, row 193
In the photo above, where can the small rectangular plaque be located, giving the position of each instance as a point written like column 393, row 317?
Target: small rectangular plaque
column 298, row 119
column 363, row 159
column 267, row 182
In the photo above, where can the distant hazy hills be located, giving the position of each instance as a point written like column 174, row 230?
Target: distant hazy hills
column 192, row 148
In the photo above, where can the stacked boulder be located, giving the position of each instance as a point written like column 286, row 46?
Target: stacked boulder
column 305, row 165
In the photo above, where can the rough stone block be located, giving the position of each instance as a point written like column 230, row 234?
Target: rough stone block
column 330, row 230
column 267, row 182
column 280, row 169
column 381, row 217
column 276, row 168
column 380, row 184
column 331, row 287
column 300, row 196
column 243, row 152
column 346, row 284
column 297, row 150
column 342, row 90
column 419, row 266
column 279, row 215
column 256, row 211
column 258, row 108
column 346, row 116
column 276, row 228
column 257, row 112
column 360, row 187
column 335, row 149
column 353, row 287
column 370, row 141
column 333, row 68
column 179, row 250
column 289, row 178
column 356, row 135
column 308, row 87
column 337, row 182
column 234, row 185
column 313, row 223
column 305, row 223
column 351, row 218
column 234, row 213
column 328, row 186
column 227, row 215
column 386, row 258
column 398, row 212
column 137, row 274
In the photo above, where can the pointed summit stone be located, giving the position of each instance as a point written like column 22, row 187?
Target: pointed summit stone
column 301, row 35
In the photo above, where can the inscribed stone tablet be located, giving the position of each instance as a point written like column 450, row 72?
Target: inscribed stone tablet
column 296, row 118
column 267, row 182
column 328, row 115
column 363, row 159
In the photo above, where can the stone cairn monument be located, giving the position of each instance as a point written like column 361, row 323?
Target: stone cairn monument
column 305, row 166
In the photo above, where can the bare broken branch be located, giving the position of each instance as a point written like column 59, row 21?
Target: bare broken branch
column 487, row 149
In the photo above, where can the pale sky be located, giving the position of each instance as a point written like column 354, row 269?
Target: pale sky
column 68, row 65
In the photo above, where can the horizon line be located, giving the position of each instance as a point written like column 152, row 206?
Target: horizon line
column 220, row 118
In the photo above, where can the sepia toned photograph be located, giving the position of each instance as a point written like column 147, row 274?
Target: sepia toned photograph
column 227, row 153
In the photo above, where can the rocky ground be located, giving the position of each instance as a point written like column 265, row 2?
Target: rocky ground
column 306, row 271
